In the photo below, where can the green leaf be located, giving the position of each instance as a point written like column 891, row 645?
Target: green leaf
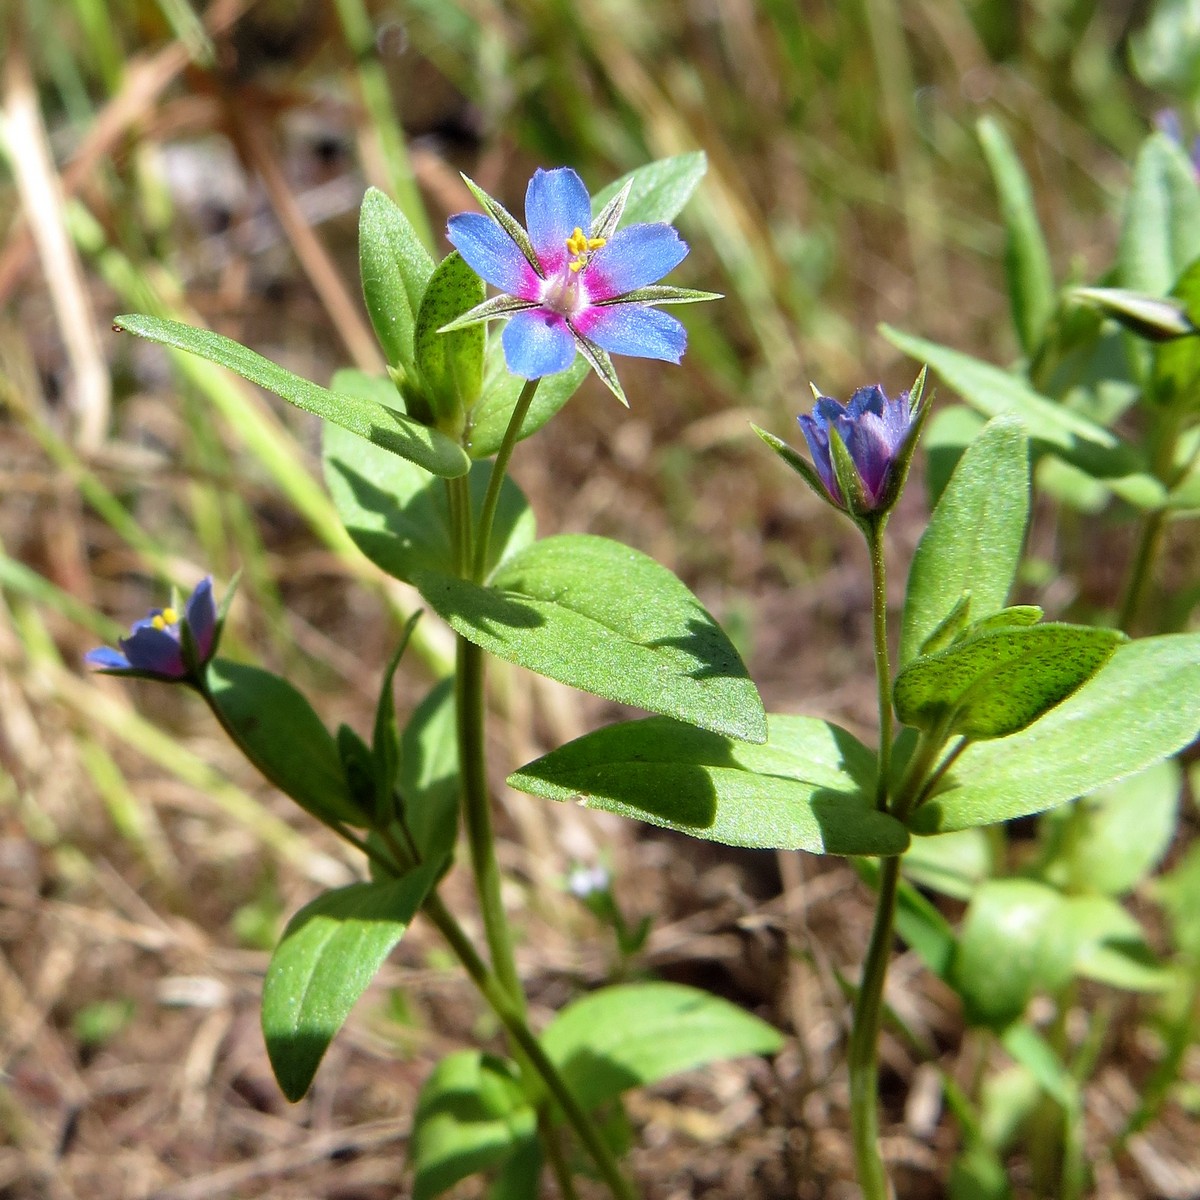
column 1026, row 259
column 1096, row 938
column 1027, row 1047
column 1139, row 708
column 993, row 684
column 658, row 190
column 517, row 1177
column 328, row 954
column 399, row 517
column 994, row 391
column 1179, row 893
column 632, row 1035
column 395, row 269
column 606, row 619
column 973, row 540
column 951, row 430
column 385, row 742
column 809, row 787
column 428, row 774
column 1112, row 839
column 471, row 1115
column 378, row 424
column 1151, row 317
column 1002, row 955
column 1161, row 231
column 488, row 419
column 449, row 366
column 276, row 728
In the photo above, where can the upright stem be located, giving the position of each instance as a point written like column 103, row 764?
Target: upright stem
column 883, row 669
column 864, row 1041
column 477, row 816
column 1153, row 527
column 487, row 514
column 502, row 1003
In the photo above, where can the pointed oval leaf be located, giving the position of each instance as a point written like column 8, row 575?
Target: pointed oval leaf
column 471, row 1115
column 808, row 788
column 994, row 391
column 632, row 1035
column 427, row 778
column 606, row 619
column 450, row 365
column 380, row 425
column 1161, row 231
column 1118, row 723
column 658, row 191
column 996, row 683
column 974, row 538
column 395, row 269
column 276, row 728
column 1026, row 259
column 399, row 517
column 329, row 952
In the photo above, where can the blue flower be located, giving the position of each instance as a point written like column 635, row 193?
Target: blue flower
column 878, row 435
column 572, row 282
column 157, row 647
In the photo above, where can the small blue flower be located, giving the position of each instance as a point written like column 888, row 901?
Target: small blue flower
column 155, row 646
column 572, row 282
column 876, row 431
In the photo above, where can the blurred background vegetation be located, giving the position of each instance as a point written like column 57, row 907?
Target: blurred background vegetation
column 207, row 163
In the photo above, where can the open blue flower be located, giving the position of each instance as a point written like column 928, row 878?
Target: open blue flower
column 572, row 282
column 157, row 648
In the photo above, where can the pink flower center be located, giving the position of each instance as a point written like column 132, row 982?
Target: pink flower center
column 564, row 292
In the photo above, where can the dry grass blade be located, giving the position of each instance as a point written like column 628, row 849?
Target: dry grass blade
column 42, row 199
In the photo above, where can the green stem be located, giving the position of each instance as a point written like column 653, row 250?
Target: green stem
column 1153, row 528
column 477, row 816
column 557, row 1160
column 491, row 499
column 513, row 1020
column 883, row 669
column 864, row 1041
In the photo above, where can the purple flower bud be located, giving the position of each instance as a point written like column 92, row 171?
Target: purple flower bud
column 155, row 645
column 875, row 430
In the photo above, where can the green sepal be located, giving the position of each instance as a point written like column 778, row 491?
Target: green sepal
column 605, row 222
column 918, row 409
column 954, row 622
column 799, row 464
column 661, row 293
column 854, row 496
column 602, row 364
column 489, row 310
column 508, row 223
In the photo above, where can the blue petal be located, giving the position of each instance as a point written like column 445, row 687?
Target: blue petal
column 107, row 659
column 156, row 651
column 556, row 204
column 492, row 254
column 537, row 343
column 635, row 257
column 867, row 441
column 825, row 412
column 635, row 329
column 201, row 616
column 816, row 434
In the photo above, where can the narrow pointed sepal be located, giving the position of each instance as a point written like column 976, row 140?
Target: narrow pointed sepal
column 661, row 293
column 603, row 366
column 849, row 482
column 609, row 217
column 489, row 310
column 919, row 407
column 507, row 222
column 799, row 464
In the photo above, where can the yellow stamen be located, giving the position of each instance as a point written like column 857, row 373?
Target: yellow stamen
column 168, row 616
column 580, row 245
